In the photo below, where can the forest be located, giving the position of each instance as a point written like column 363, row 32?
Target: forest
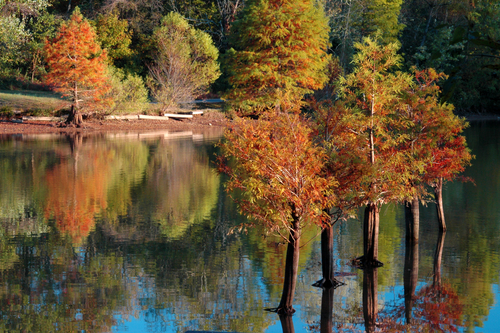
column 459, row 38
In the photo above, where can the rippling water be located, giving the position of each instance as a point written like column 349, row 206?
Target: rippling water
column 130, row 232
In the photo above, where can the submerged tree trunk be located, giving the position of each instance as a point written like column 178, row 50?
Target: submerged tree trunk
column 370, row 298
column 412, row 218
column 438, row 255
column 410, row 276
column 326, row 324
column 438, row 194
column 370, row 236
column 291, row 270
column 327, row 265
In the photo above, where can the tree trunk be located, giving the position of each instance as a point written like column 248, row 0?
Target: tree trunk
column 438, row 255
column 326, row 324
column 438, row 194
column 74, row 117
column 327, row 265
column 370, row 236
column 370, row 298
column 410, row 276
column 291, row 270
column 412, row 218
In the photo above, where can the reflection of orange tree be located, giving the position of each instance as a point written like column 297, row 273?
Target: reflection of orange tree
column 76, row 192
column 437, row 308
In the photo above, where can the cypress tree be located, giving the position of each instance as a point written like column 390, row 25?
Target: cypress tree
column 278, row 49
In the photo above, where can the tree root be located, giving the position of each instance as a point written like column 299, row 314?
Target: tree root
column 281, row 311
column 327, row 283
column 361, row 263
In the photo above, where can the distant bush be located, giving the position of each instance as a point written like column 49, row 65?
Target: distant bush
column 38, row 112
column 128, row 92
column 6, row 111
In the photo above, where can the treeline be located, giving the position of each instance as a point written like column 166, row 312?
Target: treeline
column 459, row 38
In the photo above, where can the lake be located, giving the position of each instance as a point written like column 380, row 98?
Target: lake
column 131, row 232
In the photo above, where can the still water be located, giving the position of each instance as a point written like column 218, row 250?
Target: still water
column 129, row 232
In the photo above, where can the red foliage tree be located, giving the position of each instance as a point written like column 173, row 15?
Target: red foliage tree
column 77, row 65
column 278, row 168
column 433, row 138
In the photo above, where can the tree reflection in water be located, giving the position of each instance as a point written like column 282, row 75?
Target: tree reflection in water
column 434, row 308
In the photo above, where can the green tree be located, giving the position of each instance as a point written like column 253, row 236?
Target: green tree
column 15, row 33
column 185, row 64
column 128, row 92
column 77, row 65
column 279, row 47
column 114, row 36
column 382, row 17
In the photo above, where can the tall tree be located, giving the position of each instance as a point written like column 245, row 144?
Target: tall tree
column 77, row 65
column 279, row 46
column 433, row 138
column 278, row 168
column 372, row 94
column 115, row 36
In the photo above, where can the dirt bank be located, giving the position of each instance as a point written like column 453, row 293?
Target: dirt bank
column 198, row 123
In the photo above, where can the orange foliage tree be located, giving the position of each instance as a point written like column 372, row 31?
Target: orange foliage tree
column 278, row 168
column 373, row 101
column 77, row 65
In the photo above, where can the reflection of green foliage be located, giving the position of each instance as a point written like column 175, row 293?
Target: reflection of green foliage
column 197, row 198
column 178, row 187
column 130, row 159
column 475, row 230
column 391, row 239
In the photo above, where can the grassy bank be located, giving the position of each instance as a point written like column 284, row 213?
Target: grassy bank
column 34, row 101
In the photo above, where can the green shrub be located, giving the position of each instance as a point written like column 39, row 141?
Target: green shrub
column 39, row 112
column 6, row 111
column 128, row 92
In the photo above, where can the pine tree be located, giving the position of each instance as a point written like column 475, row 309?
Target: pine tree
column 279, row 47
column 77, row 65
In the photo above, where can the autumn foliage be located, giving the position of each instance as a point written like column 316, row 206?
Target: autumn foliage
column 278, row 168
column 77, row 66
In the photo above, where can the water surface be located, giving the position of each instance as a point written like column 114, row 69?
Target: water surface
column 129, row 232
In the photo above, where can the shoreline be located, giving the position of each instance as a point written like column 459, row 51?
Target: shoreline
column 209, row 121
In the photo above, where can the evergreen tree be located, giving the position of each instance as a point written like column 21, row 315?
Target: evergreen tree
column 279, row 47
